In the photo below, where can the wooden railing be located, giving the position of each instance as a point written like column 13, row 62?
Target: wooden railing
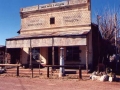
column 48, row 66
column 58, row 66
column 15, row 65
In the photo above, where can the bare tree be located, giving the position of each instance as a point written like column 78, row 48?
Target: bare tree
column 109, row 27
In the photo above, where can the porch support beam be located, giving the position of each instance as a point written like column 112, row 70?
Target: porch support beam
column 30, row 65
column 86, row 59
column 53, row 61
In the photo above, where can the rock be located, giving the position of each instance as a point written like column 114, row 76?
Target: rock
column 94, row 77
column 110, row 79
column 98, row 77
column 104, row 78
column 94, row 73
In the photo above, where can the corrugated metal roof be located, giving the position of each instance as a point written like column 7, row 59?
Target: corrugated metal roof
column 54, row 34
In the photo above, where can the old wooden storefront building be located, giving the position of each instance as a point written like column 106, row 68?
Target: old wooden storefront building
column 48, row 27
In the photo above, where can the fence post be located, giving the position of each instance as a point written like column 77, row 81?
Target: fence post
column 39, row 68
column 17, row 70
column 80, row 73
column 32, row 71
column 48, row 71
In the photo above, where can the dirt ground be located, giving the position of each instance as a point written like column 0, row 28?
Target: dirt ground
column 27, row 83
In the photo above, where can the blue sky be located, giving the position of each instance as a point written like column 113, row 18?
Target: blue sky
column 10, row 18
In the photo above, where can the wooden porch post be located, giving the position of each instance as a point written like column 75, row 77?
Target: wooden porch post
column 30, row 55
column 86, row 59
column 53, row 62
column 31, row 64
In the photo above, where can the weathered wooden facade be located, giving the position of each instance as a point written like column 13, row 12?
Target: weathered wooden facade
column 2, row 53
column 46, row 28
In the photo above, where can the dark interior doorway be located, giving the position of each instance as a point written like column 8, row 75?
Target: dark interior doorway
column 56, row 57
column 15, row 55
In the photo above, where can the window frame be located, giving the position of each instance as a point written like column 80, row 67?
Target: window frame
column 52, row 20
column 73, row 53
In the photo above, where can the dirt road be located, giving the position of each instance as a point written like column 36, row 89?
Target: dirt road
column 25, row 83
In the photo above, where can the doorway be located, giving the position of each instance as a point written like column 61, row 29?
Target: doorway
column 15, row 55
column 56, row 56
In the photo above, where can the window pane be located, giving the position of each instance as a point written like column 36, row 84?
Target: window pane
column 72, row 53
column 35, row 53
column 52, row 20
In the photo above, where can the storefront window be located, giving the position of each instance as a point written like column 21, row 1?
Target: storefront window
column 72, row 53
column 35, row 54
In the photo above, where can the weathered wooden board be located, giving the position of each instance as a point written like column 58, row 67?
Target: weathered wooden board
column 17, row 43
column 45, row 42
column 69, row 41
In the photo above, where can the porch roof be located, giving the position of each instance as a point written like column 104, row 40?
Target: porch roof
column 47, row 40
column 47, row 35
